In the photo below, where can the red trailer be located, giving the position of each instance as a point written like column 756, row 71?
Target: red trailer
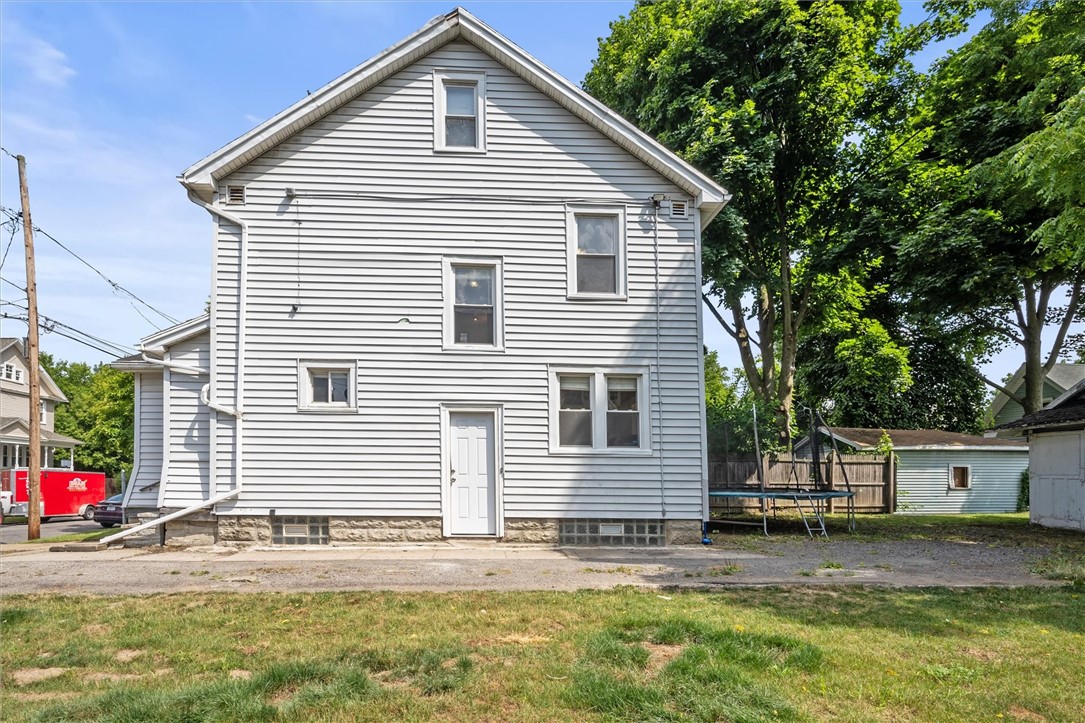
column 63, row 492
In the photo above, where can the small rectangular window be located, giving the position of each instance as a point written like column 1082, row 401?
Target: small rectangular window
column 596, row 239
column 623, row 416
column 960, row 478
column 574, row 413
column 474, row 305
column 326, row 386
column 459, row 111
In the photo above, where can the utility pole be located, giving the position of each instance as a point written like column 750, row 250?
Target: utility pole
column 33, row 475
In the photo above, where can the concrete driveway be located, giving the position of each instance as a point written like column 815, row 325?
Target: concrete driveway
column 495, row 566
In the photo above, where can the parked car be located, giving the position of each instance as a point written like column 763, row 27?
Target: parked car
column 110, row 511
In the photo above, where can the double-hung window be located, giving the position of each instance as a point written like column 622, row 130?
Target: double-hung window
column 327, row 386
column 459, row 120
column 598, row 410
column 596, row 240
column 473, row 308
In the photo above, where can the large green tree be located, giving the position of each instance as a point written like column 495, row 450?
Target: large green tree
column 773, row 98
column 995, row 245
column 100, row 412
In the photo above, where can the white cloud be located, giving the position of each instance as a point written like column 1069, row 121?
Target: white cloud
column 44, row 61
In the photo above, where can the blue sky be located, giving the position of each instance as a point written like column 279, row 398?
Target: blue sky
column 110, row 101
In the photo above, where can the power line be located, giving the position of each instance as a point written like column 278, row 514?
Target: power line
column 116, row 286
column 60, row 333
column 14, row 228
column 51, row 323
column 6, row 151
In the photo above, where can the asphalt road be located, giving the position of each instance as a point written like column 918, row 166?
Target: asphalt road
column 12, row 533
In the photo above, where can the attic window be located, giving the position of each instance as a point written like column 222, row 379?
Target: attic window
column 235, row 195
column 459, row 112
column 12, row 373
column 678, row 209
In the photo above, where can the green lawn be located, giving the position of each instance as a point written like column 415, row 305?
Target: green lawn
column 740, row 655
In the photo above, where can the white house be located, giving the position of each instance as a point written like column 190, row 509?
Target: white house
column 938, row 472
column 15, row 417
column 1057, row 460
column 452, row 295
column 1058, row 380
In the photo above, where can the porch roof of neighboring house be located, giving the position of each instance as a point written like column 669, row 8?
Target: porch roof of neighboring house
column 1065, row 412
column 866, row 438
column 1062, row 376
column 15, row 430
column 202, row 177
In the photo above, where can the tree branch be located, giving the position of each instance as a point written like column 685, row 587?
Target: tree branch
column 1067, row 320
column 719, row 317
column 999, row 387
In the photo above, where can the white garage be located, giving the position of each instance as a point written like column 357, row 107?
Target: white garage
column 1057, row 460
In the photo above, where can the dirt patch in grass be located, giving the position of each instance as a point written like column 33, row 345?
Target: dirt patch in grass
column 28, row 697
column 986, row 656
column 127, row 655
column 29, row 676
column 1025, row 714
column 659, row 655
column 96, row 629
column 238, row 674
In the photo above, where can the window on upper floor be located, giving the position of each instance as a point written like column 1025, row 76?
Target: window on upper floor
column 43, row 416
column 596, row 253
column 473, row 304
column 13, row 373
column 459, row 107
column 598, row 410
column 327, row 386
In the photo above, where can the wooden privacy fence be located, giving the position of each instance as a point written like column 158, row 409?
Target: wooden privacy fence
column 870, row 476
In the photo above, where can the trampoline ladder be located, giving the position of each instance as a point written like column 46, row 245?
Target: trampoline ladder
column 815, row 522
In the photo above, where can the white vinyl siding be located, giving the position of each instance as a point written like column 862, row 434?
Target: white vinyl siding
column 372, row 289
column 924, row 482
column 186, row 475
column 147, row 470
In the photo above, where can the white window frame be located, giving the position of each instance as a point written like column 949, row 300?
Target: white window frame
column 305, row 387
column 621, row 292
column 949, row 481
column 449, row 286
column 12, row 373
column 441, row 78
column 599, row 409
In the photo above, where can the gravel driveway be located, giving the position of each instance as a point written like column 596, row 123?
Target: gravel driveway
column 492, row 566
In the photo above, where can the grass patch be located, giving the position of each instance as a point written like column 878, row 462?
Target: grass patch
column 741, row 655
column 91, row 536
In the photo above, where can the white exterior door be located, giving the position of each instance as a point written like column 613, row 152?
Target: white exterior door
column 473, row 477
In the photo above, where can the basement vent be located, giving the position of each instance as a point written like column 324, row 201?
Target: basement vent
column 679, row 209
column 299, row 530
column 611, row 528
column 235, row 195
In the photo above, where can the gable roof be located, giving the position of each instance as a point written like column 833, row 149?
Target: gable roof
column 865, row 438
column 49, row 388
column 1068, row 411
column 1061, row 376
column 158, row 341
column 202, row 176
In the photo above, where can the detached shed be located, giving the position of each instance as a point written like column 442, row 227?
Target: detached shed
column 1057, row 450
column 941, row 472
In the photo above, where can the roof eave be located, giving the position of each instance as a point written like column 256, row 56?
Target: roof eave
column 160, row 341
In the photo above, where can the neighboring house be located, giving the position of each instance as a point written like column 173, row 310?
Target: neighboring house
column 1062, row 377
column 941, row 472
column 1057, row 450
column 15, row 410
column 452, row 295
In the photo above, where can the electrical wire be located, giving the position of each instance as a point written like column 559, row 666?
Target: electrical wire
column 117, row 288
column 49, row 324
column 60, row 333
column 14, row 228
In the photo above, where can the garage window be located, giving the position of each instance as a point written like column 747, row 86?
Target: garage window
column 960, row 477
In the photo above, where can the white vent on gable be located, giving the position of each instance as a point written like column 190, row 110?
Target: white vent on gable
column 679, row 209
column 235, row 195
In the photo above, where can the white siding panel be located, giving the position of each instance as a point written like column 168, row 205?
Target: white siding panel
column 148, row 464
column 187, row 474
column 923, row 481
column 361, row 248
column 1057, row 479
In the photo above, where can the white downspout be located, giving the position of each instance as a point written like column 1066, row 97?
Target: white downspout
column 205, row 395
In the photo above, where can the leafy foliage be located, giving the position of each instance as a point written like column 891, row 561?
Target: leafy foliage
column 773, row 99
column 100, row 412
column 730, row 406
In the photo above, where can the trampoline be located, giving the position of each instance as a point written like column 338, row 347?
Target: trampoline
column 816, row 500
